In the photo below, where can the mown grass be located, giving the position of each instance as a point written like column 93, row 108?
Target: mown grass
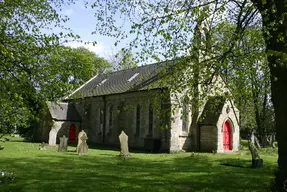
column 104, row 170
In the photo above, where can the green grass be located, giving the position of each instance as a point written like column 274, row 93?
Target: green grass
column 268, row 151
column 104, row 170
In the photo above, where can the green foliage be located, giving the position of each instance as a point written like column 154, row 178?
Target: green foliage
column 25, row 44
column 70, row 68
column 247, row 74
column 122, row 60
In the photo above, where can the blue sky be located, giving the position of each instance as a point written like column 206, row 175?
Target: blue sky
column 82, row 22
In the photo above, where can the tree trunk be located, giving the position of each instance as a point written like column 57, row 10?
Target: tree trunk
column 274, row 18
column 279, row 95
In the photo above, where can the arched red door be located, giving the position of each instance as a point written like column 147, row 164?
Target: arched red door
column 227, row 136
column 72, row 133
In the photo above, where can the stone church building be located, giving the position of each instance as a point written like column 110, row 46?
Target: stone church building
column 154, row 116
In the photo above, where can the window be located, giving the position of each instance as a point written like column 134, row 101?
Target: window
column 101, row 116
column 101, row 121
column 133, row 77
column 185, row 112
column 102, row 82
column 150, row 120
column 111, row 117
column 138, row 120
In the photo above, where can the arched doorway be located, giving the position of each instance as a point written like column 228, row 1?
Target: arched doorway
column 227, row 136
column 72, row 133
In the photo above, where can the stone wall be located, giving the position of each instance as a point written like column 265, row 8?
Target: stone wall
column 181, row 121
column 208, row 138
column 201, row 138
column 104, row 117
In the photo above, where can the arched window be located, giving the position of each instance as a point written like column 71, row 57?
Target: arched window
column 111, row 117
column 101, row 120
column 185, row 111
column 150, row 120
column 138, row 120
column 101, row 116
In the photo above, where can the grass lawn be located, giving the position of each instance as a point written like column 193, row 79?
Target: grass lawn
column 104, row 170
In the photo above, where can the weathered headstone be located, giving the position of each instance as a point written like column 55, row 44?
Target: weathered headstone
column 82, row 148
column 52, row 137
column 63, row 146
column 42, row 147
column 257, row 162
column 124, row 144
column 79, row 138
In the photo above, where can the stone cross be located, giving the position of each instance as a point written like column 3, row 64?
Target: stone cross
column 82, row 148
column 124, row 144
column 63, row 146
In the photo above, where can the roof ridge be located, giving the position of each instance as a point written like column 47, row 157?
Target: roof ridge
column 133, row 68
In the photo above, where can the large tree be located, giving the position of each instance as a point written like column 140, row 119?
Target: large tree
column 166, row 29
column 26, row 41
column 251, row 89
column 71, row 67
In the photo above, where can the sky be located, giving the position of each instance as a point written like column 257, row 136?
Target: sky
column 82, row 22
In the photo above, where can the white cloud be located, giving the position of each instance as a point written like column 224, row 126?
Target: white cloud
column 68, row 12
column 97, row 48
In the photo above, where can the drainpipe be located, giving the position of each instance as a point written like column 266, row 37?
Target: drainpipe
column 104, row 118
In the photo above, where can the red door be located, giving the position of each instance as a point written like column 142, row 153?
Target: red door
column 227, row 136
column 72, row 133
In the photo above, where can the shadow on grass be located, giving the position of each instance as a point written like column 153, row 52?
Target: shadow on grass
column 106, row 171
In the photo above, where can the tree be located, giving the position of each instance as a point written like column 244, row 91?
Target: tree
column 73, row 67
column 122, row 60
column 165, row 29
column 25, row 43
column 251, row 89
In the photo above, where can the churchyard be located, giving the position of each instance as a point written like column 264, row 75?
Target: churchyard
column 27, row 168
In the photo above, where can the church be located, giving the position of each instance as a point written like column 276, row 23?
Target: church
column 155, row 116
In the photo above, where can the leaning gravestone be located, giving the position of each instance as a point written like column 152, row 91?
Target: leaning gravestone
column 63, row 146
column 257, row 162
column 82, row 148
column 124, row 144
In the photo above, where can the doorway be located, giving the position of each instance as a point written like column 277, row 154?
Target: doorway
column 227, row 133
column 72, row 133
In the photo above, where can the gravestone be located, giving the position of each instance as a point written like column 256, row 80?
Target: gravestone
column 79, row 138
column 63, row 146
column 42, row 147
column 82, row 148
column 52, row 137
column 124, row 145
column 257, row 162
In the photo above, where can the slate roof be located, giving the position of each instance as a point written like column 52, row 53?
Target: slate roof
column 63, row 111
column 121, row 81
column 212, row 110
